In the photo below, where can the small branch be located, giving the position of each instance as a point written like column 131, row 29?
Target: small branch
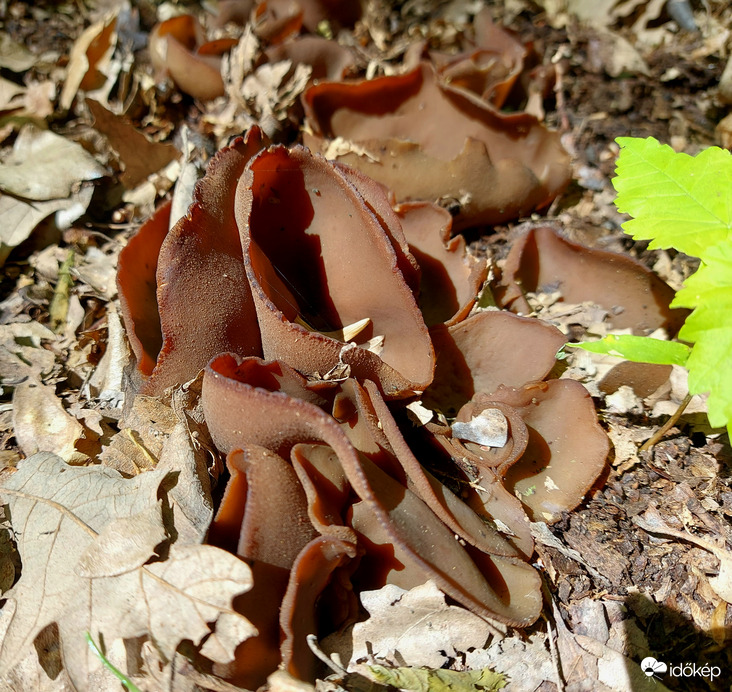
column 667, row 425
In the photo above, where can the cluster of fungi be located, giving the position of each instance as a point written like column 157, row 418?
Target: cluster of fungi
column 322, row 292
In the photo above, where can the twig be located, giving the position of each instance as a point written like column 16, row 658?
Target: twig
column 667, row 425
column 312, row 641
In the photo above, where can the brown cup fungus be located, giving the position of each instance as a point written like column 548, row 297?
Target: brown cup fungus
column 286, row 256
column 178, row 49
column 427, row 140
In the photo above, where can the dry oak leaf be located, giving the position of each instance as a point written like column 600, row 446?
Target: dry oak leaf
column 415, row 628
column 87, row 539
column 44, row 166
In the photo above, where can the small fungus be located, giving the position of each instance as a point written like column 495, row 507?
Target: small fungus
column 634, row 296
column 427, row 140
column 178, row 48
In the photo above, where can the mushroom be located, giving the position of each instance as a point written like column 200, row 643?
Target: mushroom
column 178, row 48
column 486, row 350
column 310, row 278
column 634, row 296
column 505, row 588
column 137, row 286
column 426, row 140
column 201, row 253
column 566, row 451
column 450, row 277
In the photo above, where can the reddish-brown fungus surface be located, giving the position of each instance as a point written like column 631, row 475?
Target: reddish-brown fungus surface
column 178, row 48
column 291, row 251
column 311, row 279
column 633, row 296
column 345, row 276
column 426, row 140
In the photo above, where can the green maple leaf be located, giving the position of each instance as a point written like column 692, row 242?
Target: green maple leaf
column 684, row 202
column 677, row 200
column 709, row 328
column 639, row 349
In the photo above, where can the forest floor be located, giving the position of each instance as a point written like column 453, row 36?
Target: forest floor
column 633, row 571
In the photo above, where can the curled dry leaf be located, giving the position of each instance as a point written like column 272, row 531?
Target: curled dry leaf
column 90, row 51
column 416, row 628
column 21, row 217
column 496, row 167
column 88, row 549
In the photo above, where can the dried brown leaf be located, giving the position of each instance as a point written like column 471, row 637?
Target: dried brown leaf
column 138, row 154
column 21, row 354
column 70, row 522
column 11, row 94
column 42, row 424
column 15, row 56
column 416, row 627
column 90, row 51
column 21, row 217
column 45, row 166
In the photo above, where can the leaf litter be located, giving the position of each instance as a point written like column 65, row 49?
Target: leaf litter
column 87, row 375
column 90, row 553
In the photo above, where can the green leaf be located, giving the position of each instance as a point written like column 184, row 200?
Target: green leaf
column 709, row 328
column 429, row 680
column 677, row 200
column 639, row 349
column 126, row 682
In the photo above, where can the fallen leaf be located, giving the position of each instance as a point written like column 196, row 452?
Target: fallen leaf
column 11, row 95
column 15, row 56
column 68, row 534
column 42, row 424
column 525, row 660
column 20, row 218
column 138, row 154
column 21, row 355
column 107, row 381
column 191, row 495
column 425, row 680
column 90, row 51
column 45, row 166
column 489, row 428
column 98, row 269
column 415, row 627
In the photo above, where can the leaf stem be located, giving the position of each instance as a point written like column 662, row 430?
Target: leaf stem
column 667, row 425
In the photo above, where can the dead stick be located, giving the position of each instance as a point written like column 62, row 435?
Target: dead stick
column 667, row 425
